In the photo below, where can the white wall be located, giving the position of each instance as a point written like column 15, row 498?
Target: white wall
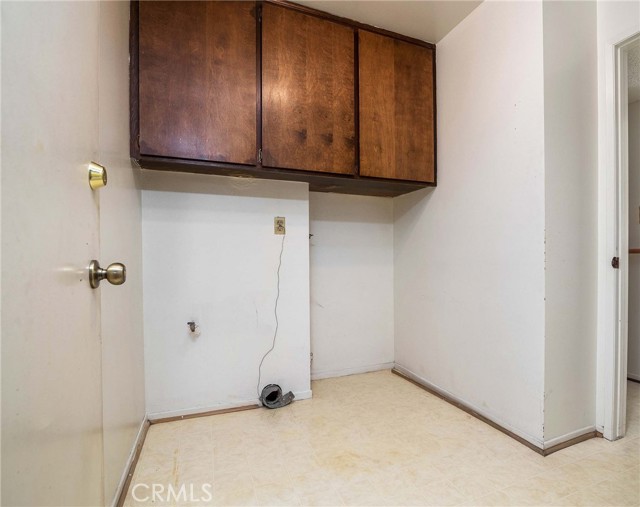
column 120, row 241
column 570, row 143
column 469, row 256
column 634, row 242
column 616, row 21
column 351, row 283
column 210, row 255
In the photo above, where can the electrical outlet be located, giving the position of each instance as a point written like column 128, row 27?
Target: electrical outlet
column 279, row 225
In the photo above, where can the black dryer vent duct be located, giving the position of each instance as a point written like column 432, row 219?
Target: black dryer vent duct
column 272, row 397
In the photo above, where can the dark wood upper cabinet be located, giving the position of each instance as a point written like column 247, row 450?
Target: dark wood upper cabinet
column 198, row 80
column 396, row 90
column 273, row 89
column 308, row 92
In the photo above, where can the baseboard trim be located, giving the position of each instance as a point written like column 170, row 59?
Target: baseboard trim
column 351, row 371
column 193, row 415
column 529, row 441
column 633, row 377
column 565, row 442
column 542, row 448
column 150, row 419
column 220, row 408
column 125, row 482
column 569, row 437
column 303, row 395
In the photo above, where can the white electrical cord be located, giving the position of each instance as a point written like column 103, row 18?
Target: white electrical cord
column 275, row 312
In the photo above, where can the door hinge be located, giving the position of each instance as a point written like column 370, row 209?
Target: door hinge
column 615, row 262
column 260, row 156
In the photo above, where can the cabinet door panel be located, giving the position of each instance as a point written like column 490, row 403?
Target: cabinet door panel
column 396, row 109
column 308, row 90
column 198, row 80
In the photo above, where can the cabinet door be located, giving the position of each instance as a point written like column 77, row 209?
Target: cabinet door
column 396, row 109
column 198, row 80
column 308, row 90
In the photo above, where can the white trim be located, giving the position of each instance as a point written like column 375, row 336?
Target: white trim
column 568, row 436
column 132, row 454
column 622, row 148
column 303, row 395
column 607, row 283
column 318, row 375
column 612, row 241
column 633, row 376
column 300, row 395
column 484, row 413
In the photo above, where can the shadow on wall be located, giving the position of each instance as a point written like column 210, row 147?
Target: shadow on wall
column 410, row 207
column 166, row 181
column 345, row 208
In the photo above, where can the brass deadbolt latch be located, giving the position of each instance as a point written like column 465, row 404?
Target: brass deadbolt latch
column 97, row 176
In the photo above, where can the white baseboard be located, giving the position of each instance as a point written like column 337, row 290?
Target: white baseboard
column 300, row 395
column 633, row 376
column 318, row 375
column 568, row 436
column 484, row 413
column 132, row 455
column 303, row 395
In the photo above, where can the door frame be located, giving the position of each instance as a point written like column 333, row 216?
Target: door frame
column 613, row 239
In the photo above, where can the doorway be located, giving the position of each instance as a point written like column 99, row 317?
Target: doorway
column 633, row 162
column 620, row 223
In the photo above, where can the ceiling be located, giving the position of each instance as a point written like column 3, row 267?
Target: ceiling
column 422, row 19
column 633, row 71
column 431, row 20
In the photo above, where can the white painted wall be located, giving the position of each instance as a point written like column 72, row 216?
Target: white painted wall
column 616, row 21
column 469, row 256
column 351, row 283
column 120, row 241
column 210, row 255
column 634, row 242
column 570, row 145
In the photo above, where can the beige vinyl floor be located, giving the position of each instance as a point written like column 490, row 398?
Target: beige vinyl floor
column 376, row 439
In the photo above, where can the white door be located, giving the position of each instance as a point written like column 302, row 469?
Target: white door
column 52, row 446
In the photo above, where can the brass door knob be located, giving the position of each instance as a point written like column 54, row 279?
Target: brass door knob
column 115, row 274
